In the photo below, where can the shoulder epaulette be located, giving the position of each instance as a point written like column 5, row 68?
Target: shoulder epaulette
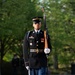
column 29, row 32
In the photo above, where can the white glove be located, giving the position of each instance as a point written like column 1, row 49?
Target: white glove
column 47, row 50
column 27, row 67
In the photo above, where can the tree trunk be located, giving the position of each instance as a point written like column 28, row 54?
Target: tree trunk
column 2, row 51
column 55, row 60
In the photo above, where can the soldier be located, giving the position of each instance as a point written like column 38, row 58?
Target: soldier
column 15, row 64
column 33, row 49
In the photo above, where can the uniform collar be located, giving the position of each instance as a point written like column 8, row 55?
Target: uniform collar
column 37, row 31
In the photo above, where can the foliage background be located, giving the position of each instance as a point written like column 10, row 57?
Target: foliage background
column 16, row 18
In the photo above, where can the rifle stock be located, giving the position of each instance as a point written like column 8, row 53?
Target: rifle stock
column 45, row 38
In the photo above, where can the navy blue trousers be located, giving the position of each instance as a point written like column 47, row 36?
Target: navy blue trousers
column 41, row 71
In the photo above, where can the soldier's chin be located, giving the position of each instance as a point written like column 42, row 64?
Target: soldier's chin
column 37, row 28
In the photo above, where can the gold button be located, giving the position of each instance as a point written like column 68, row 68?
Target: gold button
column 36, row 45
column 37, row 50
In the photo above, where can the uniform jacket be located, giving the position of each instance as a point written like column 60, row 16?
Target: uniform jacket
column 35, row 41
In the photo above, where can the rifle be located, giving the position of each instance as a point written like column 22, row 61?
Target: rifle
column 45, row 37
column 45, row 30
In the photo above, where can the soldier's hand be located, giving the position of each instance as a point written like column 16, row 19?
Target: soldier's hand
column 27, row 67
column 47, row 50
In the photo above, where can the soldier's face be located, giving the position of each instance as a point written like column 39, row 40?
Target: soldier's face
column 37, row 25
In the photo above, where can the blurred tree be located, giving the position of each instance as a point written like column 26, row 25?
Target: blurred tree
column 15, row 20
column 61, row 26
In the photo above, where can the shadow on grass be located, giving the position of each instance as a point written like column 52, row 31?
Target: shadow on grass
column 61, row 71
column 8, row 70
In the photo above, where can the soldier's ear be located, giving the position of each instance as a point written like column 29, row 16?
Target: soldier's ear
column 33, row 25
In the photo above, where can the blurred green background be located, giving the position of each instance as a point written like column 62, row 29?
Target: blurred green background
column 16, row 19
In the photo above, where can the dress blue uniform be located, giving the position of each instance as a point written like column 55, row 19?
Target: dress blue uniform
column 33, row 51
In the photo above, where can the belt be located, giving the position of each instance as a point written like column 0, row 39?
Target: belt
column 36, row 50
